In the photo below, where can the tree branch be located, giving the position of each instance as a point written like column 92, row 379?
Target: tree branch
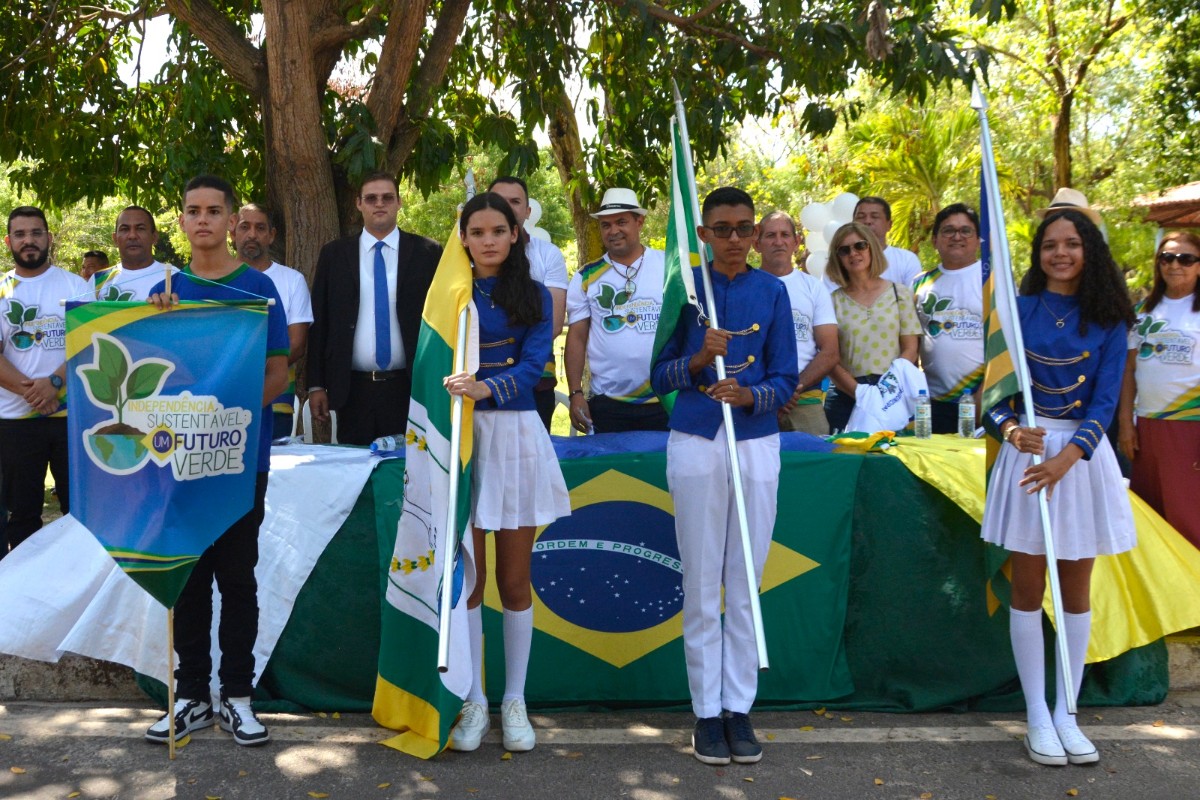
column 334, row 37
column 396, row 59
column 429, row 77
column 243, row 61
column 708, row 9
column 688, row 25
column 1113, row 27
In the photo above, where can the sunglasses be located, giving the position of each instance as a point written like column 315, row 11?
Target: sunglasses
column 1184, row 259
column 373, row 199
column 845, row 249
column 744, row 231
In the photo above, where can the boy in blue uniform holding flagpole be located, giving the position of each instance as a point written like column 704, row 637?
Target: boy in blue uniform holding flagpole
column 214, row 274
column 759, row 348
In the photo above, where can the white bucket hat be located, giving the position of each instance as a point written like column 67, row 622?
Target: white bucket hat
column 618, row 201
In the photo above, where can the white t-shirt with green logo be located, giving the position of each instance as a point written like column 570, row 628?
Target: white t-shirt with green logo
column 950, row 306
column 623, row 323
column 1168, row 370
column 134, row 285
column 33, row 329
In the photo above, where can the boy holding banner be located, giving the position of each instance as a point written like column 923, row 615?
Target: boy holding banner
column 759, row 349
column 214, row 274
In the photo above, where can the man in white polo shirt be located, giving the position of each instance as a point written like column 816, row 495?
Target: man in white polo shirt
column 613, row 306
column 253, row 236
column 812, row 318
column 33, row 370
column 950, row 305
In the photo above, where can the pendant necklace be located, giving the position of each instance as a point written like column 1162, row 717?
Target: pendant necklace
column 1059, row 322
column 484, row 293
column 630, row 286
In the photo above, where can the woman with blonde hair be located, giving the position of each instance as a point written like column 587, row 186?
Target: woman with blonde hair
column 877, row 319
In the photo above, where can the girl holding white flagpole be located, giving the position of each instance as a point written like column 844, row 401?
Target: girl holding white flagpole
column 517, row 484
column 1075, row 314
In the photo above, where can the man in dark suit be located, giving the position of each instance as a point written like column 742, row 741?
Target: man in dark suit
column 358, row 359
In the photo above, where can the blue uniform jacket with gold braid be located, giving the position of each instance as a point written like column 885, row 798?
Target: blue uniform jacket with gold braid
column 762, row 355
column 1075, row 376
column 511, row 357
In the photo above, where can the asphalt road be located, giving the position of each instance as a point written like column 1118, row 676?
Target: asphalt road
column 55, row 751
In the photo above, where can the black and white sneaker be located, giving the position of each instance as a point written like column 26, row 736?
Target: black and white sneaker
column 238, row 718
column 739, row 735
column 190, row 715
column 708, row 741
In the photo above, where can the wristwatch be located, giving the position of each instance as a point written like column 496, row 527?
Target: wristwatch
column 1008, row 432
column 577, row 391
column 56, row 381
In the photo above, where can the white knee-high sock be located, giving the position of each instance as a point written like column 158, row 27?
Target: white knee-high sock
column 1025, row 630
column 475, row 625
column 1078, row 628
column 518, row 636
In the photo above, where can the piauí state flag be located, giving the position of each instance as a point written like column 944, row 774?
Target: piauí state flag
column 164, row 420
column 411, row 696
column 999, row 374
column 683, row 244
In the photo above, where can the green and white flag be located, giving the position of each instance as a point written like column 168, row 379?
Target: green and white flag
column 683, row 243
column 411, row 696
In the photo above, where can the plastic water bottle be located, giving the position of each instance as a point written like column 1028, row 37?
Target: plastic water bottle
column 387, row 444
column 966, row 415
column 923, row 419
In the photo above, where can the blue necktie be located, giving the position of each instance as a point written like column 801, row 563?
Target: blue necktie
column 383, row 314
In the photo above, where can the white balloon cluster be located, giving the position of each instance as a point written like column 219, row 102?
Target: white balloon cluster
column 535, row 214
column 821, row 221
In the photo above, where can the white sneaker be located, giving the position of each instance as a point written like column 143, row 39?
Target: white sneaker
column 190, row 715
column 1079, row 748
column 473, row 724
column 238, row 718
column 1043, row 746
column 518, row 733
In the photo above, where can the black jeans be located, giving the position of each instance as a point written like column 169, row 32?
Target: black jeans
column 614, row 416
column 27, row 447
column 231, row 560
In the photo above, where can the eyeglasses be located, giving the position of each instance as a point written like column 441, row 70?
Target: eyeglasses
column 1184, row 259
column 372, row 199
column 744, row 231
column 845, row 249
column 965, row 232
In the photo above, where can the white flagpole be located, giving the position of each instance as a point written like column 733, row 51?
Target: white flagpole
column 735, row 467
column 448, row 549
column 1016, row 341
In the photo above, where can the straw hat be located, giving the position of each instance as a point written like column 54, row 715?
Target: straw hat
column 1074, row 200
column 618, row 201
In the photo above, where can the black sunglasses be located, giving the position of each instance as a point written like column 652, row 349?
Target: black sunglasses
column 1184, row 259
column 860, row 245
column 744, row 231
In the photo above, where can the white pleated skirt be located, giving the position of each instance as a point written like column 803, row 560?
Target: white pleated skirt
column 516, row 480
column 1090, row 513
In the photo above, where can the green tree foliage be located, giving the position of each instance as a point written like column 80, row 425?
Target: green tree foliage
column 258, row 104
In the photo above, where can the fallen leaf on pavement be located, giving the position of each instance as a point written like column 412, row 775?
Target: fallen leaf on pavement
column 1072, row 792
column 17, row 770
column 506, row 757
column 879, row 781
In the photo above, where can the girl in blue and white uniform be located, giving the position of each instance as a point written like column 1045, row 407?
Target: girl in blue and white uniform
column 1075, row 314
column 517, row 484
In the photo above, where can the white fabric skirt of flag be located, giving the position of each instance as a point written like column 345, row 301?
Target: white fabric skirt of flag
column 517, row 480
column 1089, row 509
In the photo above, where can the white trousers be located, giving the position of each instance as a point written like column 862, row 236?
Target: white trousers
column 722, row 661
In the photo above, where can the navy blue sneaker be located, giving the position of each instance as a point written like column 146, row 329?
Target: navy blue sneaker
column 739, row 735
column 708, row 741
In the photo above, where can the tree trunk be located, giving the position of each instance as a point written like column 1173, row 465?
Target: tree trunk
column 299, row 168
column 567, row 147
column 1062, row 142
